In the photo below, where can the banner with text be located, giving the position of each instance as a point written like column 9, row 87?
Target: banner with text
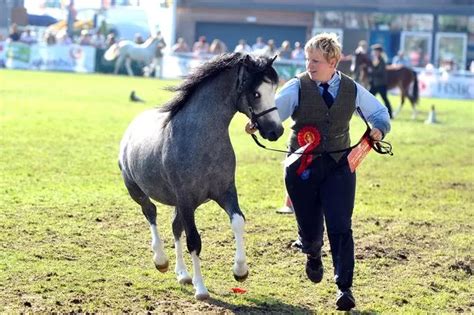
column 72, row 58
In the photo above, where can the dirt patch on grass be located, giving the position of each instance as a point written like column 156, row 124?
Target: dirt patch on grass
column 463, row 265
column 374, row 251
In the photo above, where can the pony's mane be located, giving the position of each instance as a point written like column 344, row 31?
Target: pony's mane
column 209, row 70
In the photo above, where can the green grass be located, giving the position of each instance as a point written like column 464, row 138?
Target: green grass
column 71, row 239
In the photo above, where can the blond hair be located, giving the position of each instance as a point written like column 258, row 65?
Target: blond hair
column 327, row 43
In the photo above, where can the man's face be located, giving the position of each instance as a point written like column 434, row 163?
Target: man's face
column 318, row 68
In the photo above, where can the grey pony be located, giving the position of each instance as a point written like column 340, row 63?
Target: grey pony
column 181, row 154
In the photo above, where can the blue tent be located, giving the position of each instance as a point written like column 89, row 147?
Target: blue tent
column 41, row 20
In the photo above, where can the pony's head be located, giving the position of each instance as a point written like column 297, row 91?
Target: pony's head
column 253, row 92
column 256, row 86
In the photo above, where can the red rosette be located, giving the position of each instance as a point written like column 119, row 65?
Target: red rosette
column 311, row 135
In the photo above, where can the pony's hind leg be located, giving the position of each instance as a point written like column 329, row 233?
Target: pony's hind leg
column 149, row 210
column 193, row 242
column 229, row 202
column 414, row 111
column 182, row 274
column 128, row 66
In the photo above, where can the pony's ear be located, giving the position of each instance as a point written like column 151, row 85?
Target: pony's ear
column 272, row 60
column 247, row 59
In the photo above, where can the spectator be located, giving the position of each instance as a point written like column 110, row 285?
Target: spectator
column 27, row 37
column 50, row 39
column 259, row 45
column 270, row 49
column 138, row 39
column 63, row 38
column 158, row 60
column 378, row 78
column 85, row 39
column 14, row 34
column 110, row 40
column 180, row 46
column 201, row 47
column 242, row 47
column 400, row 59
column 98, row 39
column 217, row 47
column 359, row 68
column 284, row 52
column 298, row 52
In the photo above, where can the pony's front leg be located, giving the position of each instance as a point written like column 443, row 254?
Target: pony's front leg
column 229, row 202
column 118, row 64
column 240, row 268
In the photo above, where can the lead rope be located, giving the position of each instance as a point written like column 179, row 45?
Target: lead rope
column 379, row 146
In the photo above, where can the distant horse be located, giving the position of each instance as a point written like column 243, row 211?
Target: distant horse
column 181, row 155
column 127, row 51
column 360, row 63
column 397, row 76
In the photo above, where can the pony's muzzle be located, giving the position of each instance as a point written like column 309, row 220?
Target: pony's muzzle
column 273, row 133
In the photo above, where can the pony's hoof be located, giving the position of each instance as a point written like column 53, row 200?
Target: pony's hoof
column 202, row 296
column 241, row 278
column 162, row 268
column 185, row 280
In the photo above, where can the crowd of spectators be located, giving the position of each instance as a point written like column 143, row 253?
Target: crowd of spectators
column 102, row 39
column 98, row 38
column 201, row 48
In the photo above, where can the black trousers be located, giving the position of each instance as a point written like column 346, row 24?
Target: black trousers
column 382, row 89
column 325, row 193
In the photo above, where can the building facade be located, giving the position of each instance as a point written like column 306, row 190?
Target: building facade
column 10, row 9
column 432, row 31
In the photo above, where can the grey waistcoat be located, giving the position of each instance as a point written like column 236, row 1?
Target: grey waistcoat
column 333, row 123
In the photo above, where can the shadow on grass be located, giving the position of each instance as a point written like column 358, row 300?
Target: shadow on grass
column 262, row 305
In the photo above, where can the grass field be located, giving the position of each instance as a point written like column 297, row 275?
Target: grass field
column 71, row 239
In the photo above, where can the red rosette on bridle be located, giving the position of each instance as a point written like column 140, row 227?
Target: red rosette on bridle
column 311, row 135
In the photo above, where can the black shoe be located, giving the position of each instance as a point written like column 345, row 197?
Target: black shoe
column 314, row 269
column 345, row 300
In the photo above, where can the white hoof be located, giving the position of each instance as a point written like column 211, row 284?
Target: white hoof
column 184, row 278
column 201, row 296
column 241, row 271
column 161, row 263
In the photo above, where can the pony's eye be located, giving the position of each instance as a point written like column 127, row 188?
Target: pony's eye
column 256, row 95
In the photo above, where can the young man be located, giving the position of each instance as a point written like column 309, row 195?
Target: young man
column 378, row 77
column 321, row 102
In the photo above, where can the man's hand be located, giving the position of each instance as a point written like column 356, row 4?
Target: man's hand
column 250, row 128
column 376, row 134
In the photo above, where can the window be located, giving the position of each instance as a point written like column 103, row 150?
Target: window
column 417, row 47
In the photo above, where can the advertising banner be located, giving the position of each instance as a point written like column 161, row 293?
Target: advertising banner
column 18, row 55
column 446, row 85
column 71, row 58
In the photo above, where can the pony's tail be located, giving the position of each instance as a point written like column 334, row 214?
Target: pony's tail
column 111, row 53
column 415, row 93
